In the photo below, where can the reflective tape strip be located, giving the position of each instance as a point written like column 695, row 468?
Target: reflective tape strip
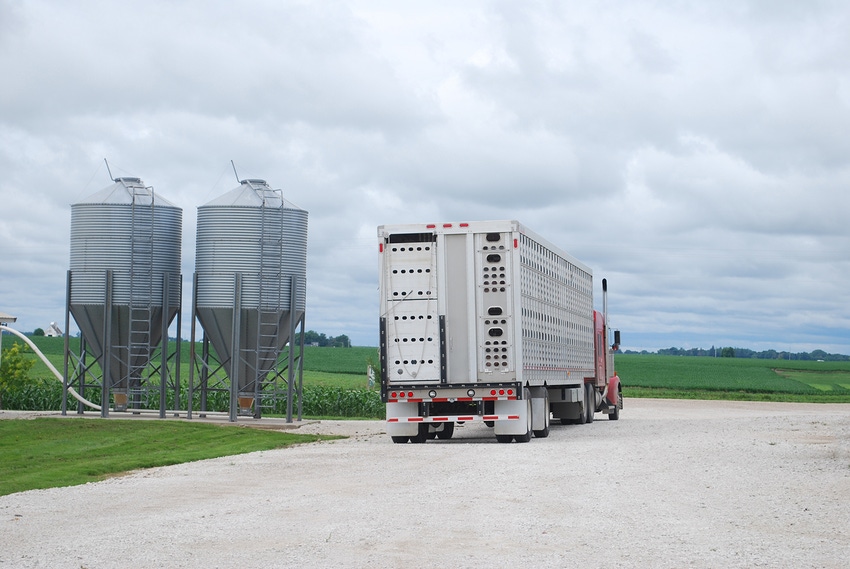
column 452, row 419
column 446, row 399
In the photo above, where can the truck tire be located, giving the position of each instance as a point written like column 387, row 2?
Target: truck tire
column 446, row 432
column 422, row 436
column 400, row 440
column 504, row 438
column 615, row 415
column 590, row 401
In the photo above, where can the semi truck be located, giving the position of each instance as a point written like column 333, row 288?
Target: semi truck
column 488, row 322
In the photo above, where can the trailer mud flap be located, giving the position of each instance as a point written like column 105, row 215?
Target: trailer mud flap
column 518, row 413
column 406, row 423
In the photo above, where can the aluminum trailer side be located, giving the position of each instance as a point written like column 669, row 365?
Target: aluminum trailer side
column 485, row 321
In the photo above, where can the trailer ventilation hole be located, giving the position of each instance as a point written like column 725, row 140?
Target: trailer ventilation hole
column 494, row 258
column 495, row 332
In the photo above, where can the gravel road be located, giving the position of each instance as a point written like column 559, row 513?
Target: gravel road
column 672, row 484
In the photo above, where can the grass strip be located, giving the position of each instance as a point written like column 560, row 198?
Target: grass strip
column 49, row 452
column 721, row 395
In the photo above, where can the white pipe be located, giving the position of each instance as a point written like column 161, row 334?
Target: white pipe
column 58, row 375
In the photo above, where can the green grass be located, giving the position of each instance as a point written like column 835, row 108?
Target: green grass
column 47, row 453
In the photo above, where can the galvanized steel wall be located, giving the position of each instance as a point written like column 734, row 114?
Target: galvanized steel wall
column 230, row 241
column 102, row 239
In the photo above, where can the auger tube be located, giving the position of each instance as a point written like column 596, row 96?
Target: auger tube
column 50, row 366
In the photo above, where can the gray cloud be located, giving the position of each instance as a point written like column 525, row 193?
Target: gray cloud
column 696, row 155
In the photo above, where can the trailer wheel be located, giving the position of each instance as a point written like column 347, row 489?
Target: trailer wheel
column 446, row 432
column 504, row 438
column 582, row 417
column 400, row 440
column 422, row 436
column 590, row 401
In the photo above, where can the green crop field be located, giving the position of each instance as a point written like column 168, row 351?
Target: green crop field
column 336, row 384
column 350, row 361
column 734, row 378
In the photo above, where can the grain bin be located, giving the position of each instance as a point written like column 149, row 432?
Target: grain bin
column 124, row 281
column 250, row 277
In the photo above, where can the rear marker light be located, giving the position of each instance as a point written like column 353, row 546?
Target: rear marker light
column 447, row 225
column 471, row 393
column 432, row 394
column 410, row 394
column 501, row 392
column 431, row 226
column 510, row 391
column 492, row 392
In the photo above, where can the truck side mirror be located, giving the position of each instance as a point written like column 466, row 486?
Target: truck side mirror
column 616, row 340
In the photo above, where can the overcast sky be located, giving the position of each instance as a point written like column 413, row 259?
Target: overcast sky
column 696, row 154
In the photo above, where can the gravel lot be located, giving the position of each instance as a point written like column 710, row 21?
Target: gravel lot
column 672, row 484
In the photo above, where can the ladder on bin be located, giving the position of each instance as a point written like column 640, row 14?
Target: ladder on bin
column 270, row 294
column 141, row 290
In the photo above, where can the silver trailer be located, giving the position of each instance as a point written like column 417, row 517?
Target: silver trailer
column 487, row 321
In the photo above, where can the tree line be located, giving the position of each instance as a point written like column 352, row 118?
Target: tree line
column 729, row 352
column 313, row 338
